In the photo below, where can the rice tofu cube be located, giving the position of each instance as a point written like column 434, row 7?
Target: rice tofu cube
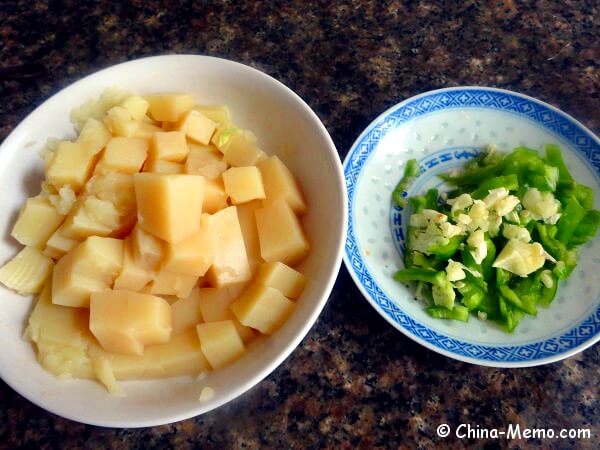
column 169, row 107
column 230, row 265
column 263, row 308
column 220, row 342
column 125, row 321
column 169, row 206
column 243, row 184
column 37, row 221
column 197, row 126
column 280, row 234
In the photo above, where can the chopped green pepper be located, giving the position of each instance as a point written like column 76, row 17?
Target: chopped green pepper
column 410, row 173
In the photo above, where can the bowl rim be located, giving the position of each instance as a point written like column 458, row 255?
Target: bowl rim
column 348, row 258
column 328, row 284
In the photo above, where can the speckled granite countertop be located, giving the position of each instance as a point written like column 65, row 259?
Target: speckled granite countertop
column 354, row 382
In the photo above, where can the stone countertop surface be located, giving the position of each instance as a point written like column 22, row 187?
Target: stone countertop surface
column 354, row 382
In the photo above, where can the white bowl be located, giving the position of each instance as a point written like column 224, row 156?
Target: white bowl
column 442, row 129
column 285, row 126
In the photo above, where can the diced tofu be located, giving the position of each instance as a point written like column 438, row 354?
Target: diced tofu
column 93, row 137
column 119, row 121
column 37, row 221
column 168, row 146
column 263, row 308
column 194, row 255
column 161, row 166
column 133, row 276
column 215, row 197
column 104, row 373
column 243, row 184
column 286, row 280
column 58, row 245
column 125, row 321
column 27, row 272
column 279, row 182
column 220, row 342
column 146, row 130
column 169, row 107
column 197, row 126
column 280, row 234
column 148, row 250
column 100, row 258
column 246, row 216
column 241, row 149
column 206, row 161
column 62, row 337
column 136, row 106
column 214, row 307
column 167, row 283
column 183, row 356
column 186, row 312
column 72, row 288
column 123, row 155
column 230, row 265
column 169, row 206
column 217, row 113
column 71, row 164
column 131, row 367
column 92, row 217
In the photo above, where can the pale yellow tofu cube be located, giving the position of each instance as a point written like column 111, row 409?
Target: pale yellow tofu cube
column 246, row 216
column 135, row 367
column 217, row 113
column 59, row 245
column 123, row 155
column 243, row 184
column 168, row 146
column 169, row 206
column 148, row 250
column 194, row 255
column 99, row 257
column 280, row 234
column 71, row 164
column 183, row 356
column 230, row 265
column 241, row 149
column 214, row 307
column 215, row 198
column 93, row 136
column 279, row 182
column 146, row 130
column 162, row 166
column 169, row 107
column 119, row 121
column 92, row 216
column 263, row 308
column 168, row 283
column 104, row 373
column 125, row 321
column 206, row 161
column 37, row 221
column 62, row 337
column 186, row 312
column 27, row 272
column 220, row 342
column 197, row 127
column 136, row 106
column 286, row 280
column 72, row 288
column 133, row 276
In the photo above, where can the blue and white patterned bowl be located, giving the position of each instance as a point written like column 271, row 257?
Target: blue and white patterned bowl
column 442, row 129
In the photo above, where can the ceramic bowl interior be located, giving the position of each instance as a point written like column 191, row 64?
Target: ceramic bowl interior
column 285, row 126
